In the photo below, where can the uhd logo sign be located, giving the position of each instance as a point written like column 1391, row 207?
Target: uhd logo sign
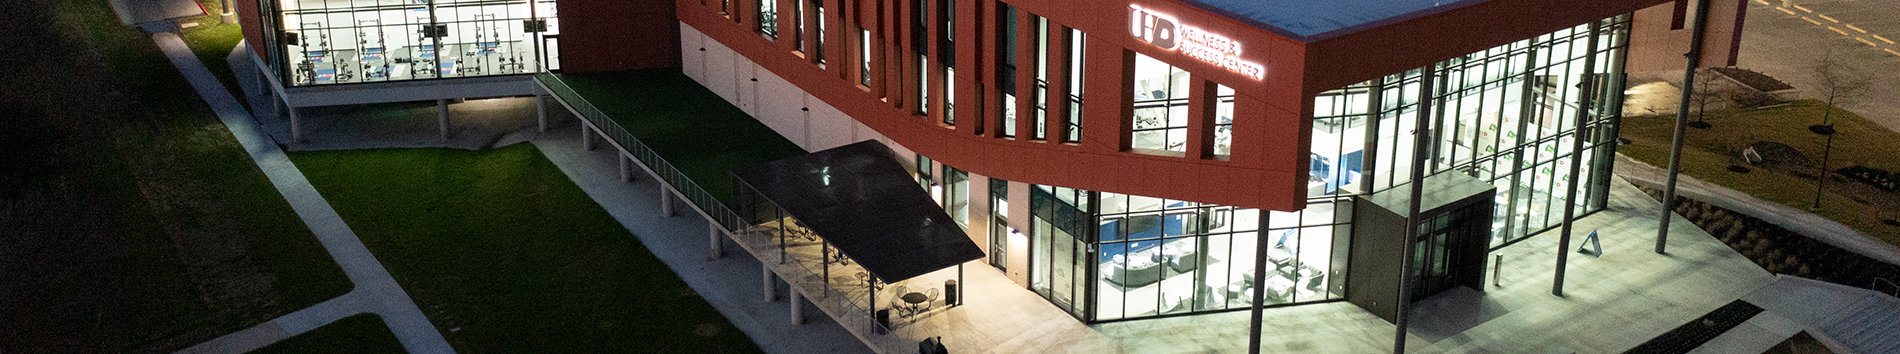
column 1165, row 32
column 1155, row 29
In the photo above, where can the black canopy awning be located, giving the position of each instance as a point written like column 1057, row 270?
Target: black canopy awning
column 861, row 200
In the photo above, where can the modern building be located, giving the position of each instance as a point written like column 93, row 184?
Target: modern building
column 1123, row 159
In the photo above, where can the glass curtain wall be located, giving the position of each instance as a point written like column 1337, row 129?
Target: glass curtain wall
column 1507, row 115
column 1161, row 107
column 1164, row 257
column 1106, row 256
column 353, row 41
column 1059, row 242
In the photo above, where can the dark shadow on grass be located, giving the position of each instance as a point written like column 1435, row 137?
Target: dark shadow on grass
column 689, row 126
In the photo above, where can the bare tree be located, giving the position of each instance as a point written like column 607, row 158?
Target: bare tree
column 1704, row 94
column 1835, row 84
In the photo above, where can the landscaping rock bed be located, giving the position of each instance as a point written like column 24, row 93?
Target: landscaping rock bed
column 1779, row 250
column 1752, row 79
column 1699, row 331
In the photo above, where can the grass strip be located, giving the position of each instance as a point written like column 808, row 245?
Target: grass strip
column 506, row 255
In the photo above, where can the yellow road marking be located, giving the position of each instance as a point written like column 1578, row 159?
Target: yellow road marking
column 1810, row 20
column 1864, row 40
column 1837, row 30
column 1856, row 29
column 1824, row 17
column 1891, row 51
column 1883, row 39
column 1804, row 9
column 1763, row 2
column 1784, row 9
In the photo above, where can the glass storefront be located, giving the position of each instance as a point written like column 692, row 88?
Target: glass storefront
column 352, row 41
column 1505, row 115
column 1107, row 256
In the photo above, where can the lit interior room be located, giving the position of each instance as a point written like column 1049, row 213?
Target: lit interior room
column 351, row 41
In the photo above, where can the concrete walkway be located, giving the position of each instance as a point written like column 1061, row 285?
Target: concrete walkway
column 375, row 292
column 134, row 12
column 1839, row 316
column 1799, row 221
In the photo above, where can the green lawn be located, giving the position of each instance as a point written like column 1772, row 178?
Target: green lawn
column 690, row 126
column 506, row 255
column 360, row 334
column 130, row 219
column 212, row 42
column 1707, row 153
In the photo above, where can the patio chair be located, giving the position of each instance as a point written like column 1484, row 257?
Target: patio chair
column 897, row 299
column 932, row 296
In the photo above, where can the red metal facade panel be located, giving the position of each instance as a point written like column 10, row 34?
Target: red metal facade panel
column 1266, row 171
column 253, row 25
column 618, row 35
column 1656, row 47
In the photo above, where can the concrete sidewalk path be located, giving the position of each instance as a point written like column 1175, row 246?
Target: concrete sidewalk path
column 133, row 12
column 1799, row 221
column 1844, row 318
column 375, row 292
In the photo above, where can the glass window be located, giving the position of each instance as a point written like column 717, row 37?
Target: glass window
column 344, row 42
column 768, row 19
column 1224, row 121
column 1006, row 67
column 864, row 56
column 1076, row 54
column 1041, row 97
column 1000, row 232
column 957, row 195
column 1160, row 100
column 1204, row 255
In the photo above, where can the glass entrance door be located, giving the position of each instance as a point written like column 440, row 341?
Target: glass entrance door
column 1438, row 251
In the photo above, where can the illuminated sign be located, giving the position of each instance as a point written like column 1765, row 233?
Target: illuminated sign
column 1167, row 33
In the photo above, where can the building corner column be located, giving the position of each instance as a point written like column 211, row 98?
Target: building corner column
column 666, row 201
column 798, row 307
column 541, row 112
column 587, row 138
column 296, row 125
column 717, row 247
column 626, row 167
column 770, row 282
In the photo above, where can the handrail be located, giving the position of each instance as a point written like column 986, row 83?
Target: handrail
column 695, row 196
column 845, row 310
column 1877, row 280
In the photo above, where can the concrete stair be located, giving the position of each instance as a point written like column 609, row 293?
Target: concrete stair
column 1868, row 326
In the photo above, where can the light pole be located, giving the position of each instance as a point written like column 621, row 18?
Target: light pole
column 228, row 17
